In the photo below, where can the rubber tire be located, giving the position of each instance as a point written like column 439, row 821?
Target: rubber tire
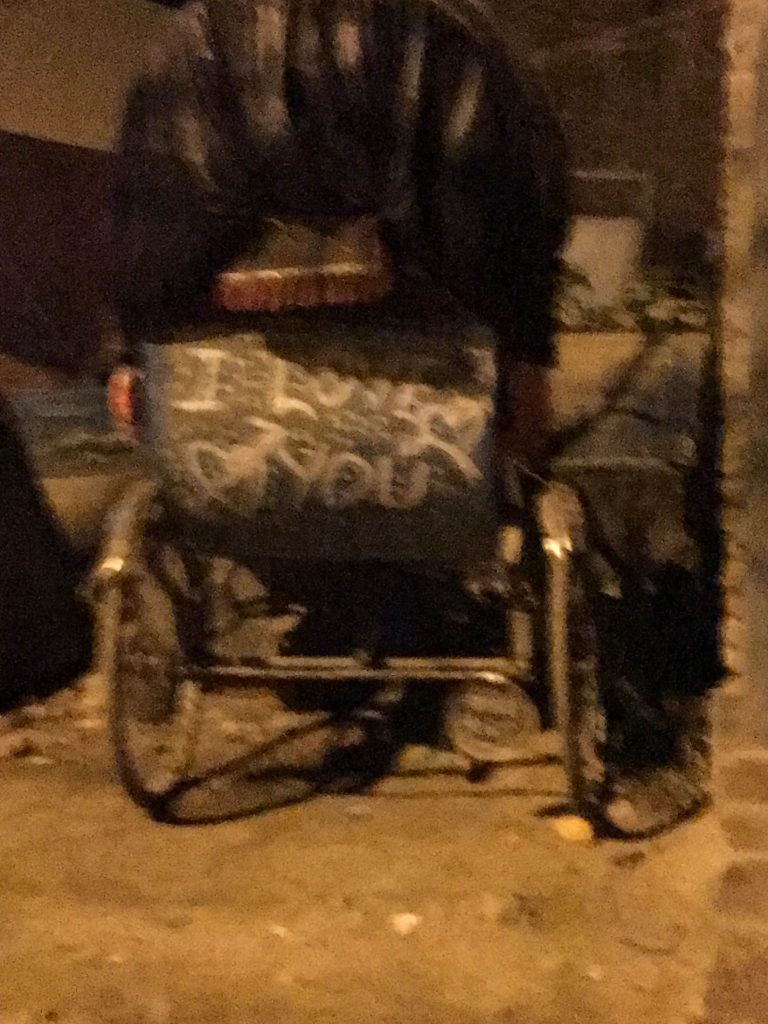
column 145, row 630
column 581, row 712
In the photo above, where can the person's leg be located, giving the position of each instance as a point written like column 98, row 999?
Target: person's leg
column 657, row 672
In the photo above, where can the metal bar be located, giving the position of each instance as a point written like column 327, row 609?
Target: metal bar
column 402, row 666
column 124, row 525
column 241, row 675
column 291, row 662
column 557, row 630
column 470, row 666
column 646, row 463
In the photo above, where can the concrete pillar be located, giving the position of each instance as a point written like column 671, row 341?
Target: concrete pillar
column 745, row 368
column 757, row 466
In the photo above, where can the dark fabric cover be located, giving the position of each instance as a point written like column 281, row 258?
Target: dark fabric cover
column 405, row 109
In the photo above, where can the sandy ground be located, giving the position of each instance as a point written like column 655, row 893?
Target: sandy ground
column 429, row 901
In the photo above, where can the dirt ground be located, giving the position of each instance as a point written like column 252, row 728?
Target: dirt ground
column 431, row 900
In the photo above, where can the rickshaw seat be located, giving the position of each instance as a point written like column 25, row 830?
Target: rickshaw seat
column 345, row 434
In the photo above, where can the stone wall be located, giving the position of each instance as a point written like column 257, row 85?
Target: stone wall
column 637, row 85
column 735, row 995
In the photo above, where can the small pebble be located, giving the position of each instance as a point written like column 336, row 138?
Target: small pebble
column 574, row 829
column 405, row 924
column 90, row 724
column 32, row 713
column 359, row 810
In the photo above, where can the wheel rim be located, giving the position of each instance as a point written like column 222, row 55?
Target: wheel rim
column 491, row 723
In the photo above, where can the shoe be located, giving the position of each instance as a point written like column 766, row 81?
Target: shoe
column 647, row 804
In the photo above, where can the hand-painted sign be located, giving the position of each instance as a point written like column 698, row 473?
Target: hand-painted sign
column 340, row 426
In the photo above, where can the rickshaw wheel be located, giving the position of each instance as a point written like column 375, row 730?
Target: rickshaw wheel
column 154, row 710
column 491, row 723
column 580, row 709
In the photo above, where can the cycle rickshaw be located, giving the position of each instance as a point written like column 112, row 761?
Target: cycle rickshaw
column 326, row 432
